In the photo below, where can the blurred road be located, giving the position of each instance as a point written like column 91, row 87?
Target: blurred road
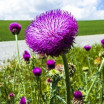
column 8, row 48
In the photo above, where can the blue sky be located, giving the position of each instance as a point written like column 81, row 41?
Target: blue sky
column 28, row 9
column 100, row 5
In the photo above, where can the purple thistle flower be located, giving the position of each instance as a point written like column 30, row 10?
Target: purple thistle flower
column 50, row 64
column 87, row 47
column 15, row 28
column 22, row 100
column 48, row 80
column 11, row 95
column 102, row 42
column 37, row 71
column 52, row 32
column 78, row 95
column 26, row 55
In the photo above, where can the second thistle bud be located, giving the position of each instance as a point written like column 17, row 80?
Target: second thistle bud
column 102, row 42
column 11, row 95
column 78, row 98
column 26, row 55
column 50, row 64
column 87, row 47
column 22, row 100
column 48, row 80
column 37, row 71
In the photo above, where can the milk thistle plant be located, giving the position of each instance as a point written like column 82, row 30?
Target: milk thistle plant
column 41, row 79
column 53, row 33
column 15, row 28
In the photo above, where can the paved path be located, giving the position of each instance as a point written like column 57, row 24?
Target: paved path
column 8, row 49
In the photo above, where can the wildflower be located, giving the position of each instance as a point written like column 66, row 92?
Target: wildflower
column 97, row 61
column 78, row 95
column 78, row 98
column 15, row 28
column 26, row 55
column 52, row 33
column 50, row 64
column 22, row 100
column 11, row 95
column 87, row 47
column 102, row 42
column 37, row 71
column 48, row 80
column 59, row 67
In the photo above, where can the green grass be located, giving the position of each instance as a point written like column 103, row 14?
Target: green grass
column 77, row 56
column 85, row 28
column 91, row 27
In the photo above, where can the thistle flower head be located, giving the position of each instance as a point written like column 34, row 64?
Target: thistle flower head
column 15, row 28
column 50, row 64
column 52, row 32
column 22, row 100
column 37, row 71
column 11, row 95
column 48, row 80
column 102, row 42
column 26, row 55
column 87, row 47
column 78, row 95
column 77, row 99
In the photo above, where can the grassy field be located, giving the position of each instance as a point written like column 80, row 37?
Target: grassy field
column 80, row 79
column 85, row 28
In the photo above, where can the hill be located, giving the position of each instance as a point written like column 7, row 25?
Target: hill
column 85, row 28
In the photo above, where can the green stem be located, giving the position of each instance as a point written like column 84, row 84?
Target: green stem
column 19, row 62
column 41, row 62
column 51, row 94
column 30, row 80
column 89, row 62
column 102, row 64
column 102, row 86
column 18, row 50
column 86, row 81
column 101, row 91
column 0, row 94
column 14, row 79
column 5, row 84
column 67, row 79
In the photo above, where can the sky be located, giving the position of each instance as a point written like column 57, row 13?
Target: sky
column 28, row 9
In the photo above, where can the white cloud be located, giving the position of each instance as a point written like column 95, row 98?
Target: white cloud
column 85, row 9
column 28, row 9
